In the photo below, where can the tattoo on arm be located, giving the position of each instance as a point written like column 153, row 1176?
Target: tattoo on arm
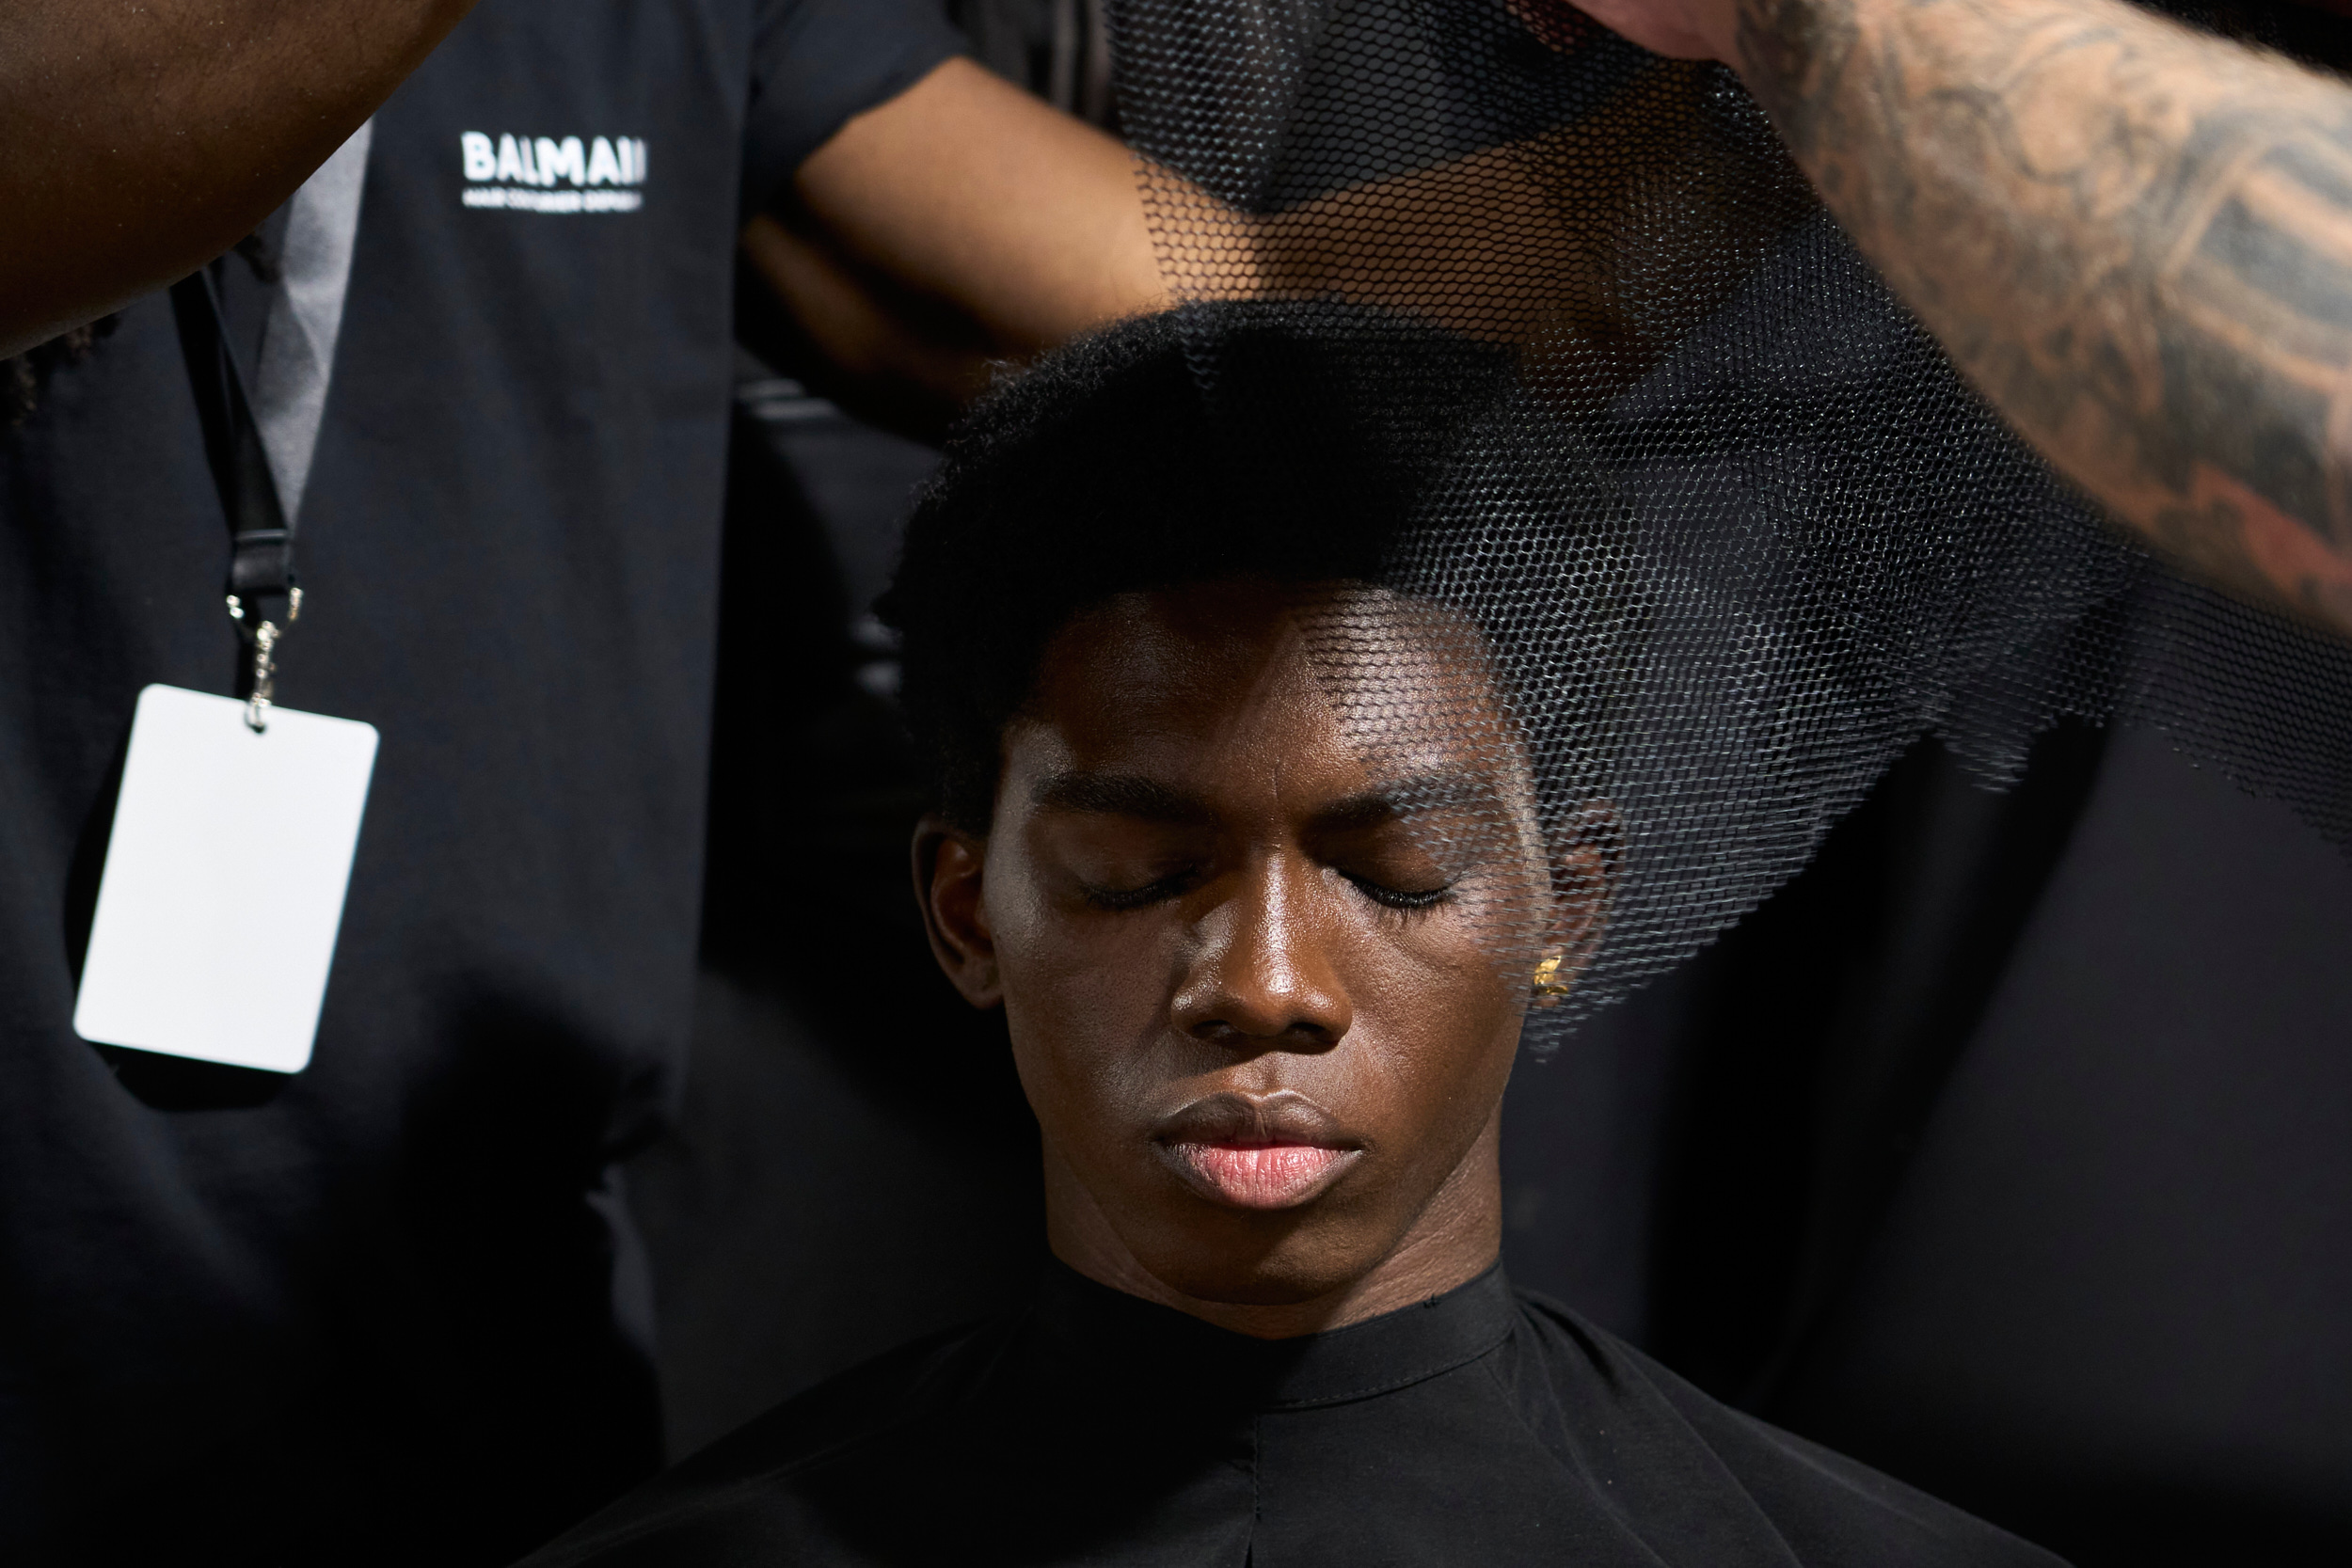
column 2135, row 240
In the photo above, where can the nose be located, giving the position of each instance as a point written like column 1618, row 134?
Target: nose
column 1264, row 977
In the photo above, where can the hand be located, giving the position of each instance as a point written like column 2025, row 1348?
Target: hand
column 1679, row 29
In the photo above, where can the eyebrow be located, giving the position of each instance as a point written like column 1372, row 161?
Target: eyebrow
column 1145, row 799
column 1122, row 795
column 1402, row 798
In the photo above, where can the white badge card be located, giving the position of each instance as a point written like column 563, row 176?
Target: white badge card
column 224, row 881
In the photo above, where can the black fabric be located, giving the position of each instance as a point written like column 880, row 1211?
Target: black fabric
column 370, row 1313
column 1480, row 1427
column 2012, row 1156
column 1810, row 1045
column 245, row 279
column 2101, row 1299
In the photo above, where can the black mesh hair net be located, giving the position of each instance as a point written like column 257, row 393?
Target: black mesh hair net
column 1732, row 530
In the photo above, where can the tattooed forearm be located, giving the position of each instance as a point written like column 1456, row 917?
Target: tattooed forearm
column 2135, row 240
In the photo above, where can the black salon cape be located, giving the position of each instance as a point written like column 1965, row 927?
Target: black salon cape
column 1483, row 1427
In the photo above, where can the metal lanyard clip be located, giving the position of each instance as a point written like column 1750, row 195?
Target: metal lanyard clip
column 262, row 637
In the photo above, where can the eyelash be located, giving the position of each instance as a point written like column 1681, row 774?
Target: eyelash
column 1399, row 900
column 1136, row 898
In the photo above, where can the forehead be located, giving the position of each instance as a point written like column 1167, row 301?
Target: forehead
column 1231, row 684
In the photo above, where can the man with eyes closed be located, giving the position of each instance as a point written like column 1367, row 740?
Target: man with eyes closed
column 1263, row 988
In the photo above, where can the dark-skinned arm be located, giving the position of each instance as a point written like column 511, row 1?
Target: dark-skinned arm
column 966, row 222
column 140, row 138
column 2135, row 239
column 961, row 222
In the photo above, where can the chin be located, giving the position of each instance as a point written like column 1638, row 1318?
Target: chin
column 1258, row 1260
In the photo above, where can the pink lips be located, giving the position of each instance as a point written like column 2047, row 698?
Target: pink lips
column 1269, row 1176
column 1256, row 1151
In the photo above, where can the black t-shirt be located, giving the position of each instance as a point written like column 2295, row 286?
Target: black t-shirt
column 370, row 1313
column 1481, row 1427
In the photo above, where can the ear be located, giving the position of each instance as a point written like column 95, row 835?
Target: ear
column 1584, row 848
column 948, row 865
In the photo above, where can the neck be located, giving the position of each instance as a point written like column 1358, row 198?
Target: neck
column 1454, row 1240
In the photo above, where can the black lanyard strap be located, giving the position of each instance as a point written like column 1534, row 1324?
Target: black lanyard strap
column 264, row 594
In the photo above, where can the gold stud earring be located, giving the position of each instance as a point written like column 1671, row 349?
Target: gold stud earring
column 1551, row 987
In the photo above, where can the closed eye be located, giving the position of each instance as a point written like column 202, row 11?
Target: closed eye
column 1408, row 899
column 1153, row 891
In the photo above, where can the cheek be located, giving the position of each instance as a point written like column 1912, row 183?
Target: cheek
column 1083, row 995
column 1447, row 1028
